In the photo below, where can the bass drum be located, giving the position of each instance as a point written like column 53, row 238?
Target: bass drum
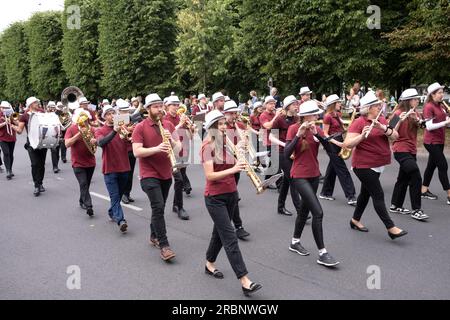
column 44, row 131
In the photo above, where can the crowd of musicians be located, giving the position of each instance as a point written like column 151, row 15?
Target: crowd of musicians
column 290, row 132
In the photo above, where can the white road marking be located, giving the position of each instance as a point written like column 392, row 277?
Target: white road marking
column 129, row 206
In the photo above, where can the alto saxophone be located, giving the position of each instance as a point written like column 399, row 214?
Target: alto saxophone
column 171, row 154
column 85, row 129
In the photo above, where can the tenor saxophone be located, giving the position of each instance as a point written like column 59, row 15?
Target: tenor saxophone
column 85, row 129
column 171, row 154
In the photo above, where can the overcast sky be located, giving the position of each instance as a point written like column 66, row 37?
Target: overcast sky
column 20, row 10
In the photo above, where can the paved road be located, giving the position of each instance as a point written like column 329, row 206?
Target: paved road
column 41, row 237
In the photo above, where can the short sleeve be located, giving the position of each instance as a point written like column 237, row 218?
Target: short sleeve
column 138, row 136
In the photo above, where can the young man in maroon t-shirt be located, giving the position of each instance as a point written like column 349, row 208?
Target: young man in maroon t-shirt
column 115, row 165
column 83, row 161
column 152, row 150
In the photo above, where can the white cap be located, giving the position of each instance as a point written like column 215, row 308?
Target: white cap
column 409, row 94
column 201, row 96
column 332, row 99
column 369, row 99
column 6, row 105
column 230, row 106
column 269, row 99
column 123, row 105
column 30, row 101
column 289, row 100
column 309, row 108
column 83, row 100
column 216, row 96
column 434, row 87
column 51, row 104
column 305, row 90
column 106, row 110
column 152, row 98
column 172, row 100
column 105, row 101
column 212, row 117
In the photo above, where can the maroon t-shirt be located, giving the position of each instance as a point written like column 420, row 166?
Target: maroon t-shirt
column 80, row 155
column 374, row 151
column 433, row 110
column 305, row 163
column 254, row 120
column 407, row 136
column 158, row 165
column 222, row 186
column 115, row 155
column 4, row 136
column 282, row 124
column 263, row 118
column 334, row 122
column 232, row 133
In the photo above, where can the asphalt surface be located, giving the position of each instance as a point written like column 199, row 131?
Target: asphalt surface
column 41, row 237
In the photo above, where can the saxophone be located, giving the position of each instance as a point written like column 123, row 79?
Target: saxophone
column 85, row 129
column 240, row 156
column 171, row 154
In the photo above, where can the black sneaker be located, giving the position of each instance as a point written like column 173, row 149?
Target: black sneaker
column 429, row 195
column 299, row 249
column 352, row 201
column 241, row 233
column 327, row 260
column 90, row 212
column 395, row 209
column 419, row 215
column 125, row 199
column 123, row 226
column 41, row 188
column 448, row 200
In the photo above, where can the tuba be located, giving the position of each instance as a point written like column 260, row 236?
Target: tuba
column 69, row 98
column 85, row 130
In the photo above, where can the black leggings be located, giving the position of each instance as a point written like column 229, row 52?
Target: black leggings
column 371, row 188
column 436, row 159
column 8, row 154
column 408, row 175
column 308, row 189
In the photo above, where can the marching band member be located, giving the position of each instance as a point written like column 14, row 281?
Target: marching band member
column 7, row 137
column 230, row 112
column 134, row 104
column 218, row 101
column 405, row 150
column 37, row 156
column 303, row 141
column 115, row 165
column 51, row 108
column 305, row 94
column 434, row 140
column 152, row 150
column 172, row 105
column 202, row 105
column 369, row 135
column 124, row 108
column 83, row 161
column 221, row 199
column 282, row 124
column 332, row 124
column 62, row 145
column 256, row 126
column 84, row 104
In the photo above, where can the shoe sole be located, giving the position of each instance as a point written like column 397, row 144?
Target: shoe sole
column 168, row 258
column 248, row 294
column 300, row 253
column 399, row 212
column 429, row 198
column 420, row 219
column 327, row 264
column 323, row 198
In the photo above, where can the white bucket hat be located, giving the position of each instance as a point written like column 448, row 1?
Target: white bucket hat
column 309, row 108
column 289, row 100
column 31, row 100
column 434, row 87
column 409, row 94
column 216, row 96
column 152, row 98
column 269, row 99
column 230, row 106
column 212, row 117
column 304, row 90
column 106, row 110
column 369, row 99
column 332, row 99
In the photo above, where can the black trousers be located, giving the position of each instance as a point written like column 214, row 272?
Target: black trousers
column 55, row 156
column 157, row 191
column 186, row 181
column 272, row 165
column 62, row 147
column 129, row 185
column 1, row 162
column 371, row 188
column 237, row 221
column 286, row 182
column 221, row 209
column 436, row 159
column 337, row 167
column 408, row 175
column 8, row 154
column 37, row 158
column 84, row 177
column 308, row 189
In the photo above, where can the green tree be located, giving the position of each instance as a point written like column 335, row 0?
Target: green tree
column 2, row 73
column 136, row 41
column 80, row 56
column 44, row 34
column 14, row 49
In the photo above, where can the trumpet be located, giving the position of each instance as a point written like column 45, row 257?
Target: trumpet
column 182, row 111
column 171, row 154
column 446, row 107
column 124, row 133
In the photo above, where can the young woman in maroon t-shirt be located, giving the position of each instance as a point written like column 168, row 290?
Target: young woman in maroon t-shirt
column 303, row 141
column 405, row 151
column 7, row 138
column 434, row 140
column 369, row 139
column 221, row 198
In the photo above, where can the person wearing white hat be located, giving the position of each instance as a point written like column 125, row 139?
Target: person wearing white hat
column 155, row 168
column 256, row 127
column 369, row 137
column 221, row 197
column 333, row 125
column 115, row 165
column 83, row 161
column 405, row 151
column 7, row 138
column 105, row 103
column 54, row 152
column 436, row 114
column 180, row 177
column 280, row 128
column 230, row 111
column 218, row 101
column 134, row 104
column 305, row 94
column 84, row 104
column 37, row 156
column 303, row 141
